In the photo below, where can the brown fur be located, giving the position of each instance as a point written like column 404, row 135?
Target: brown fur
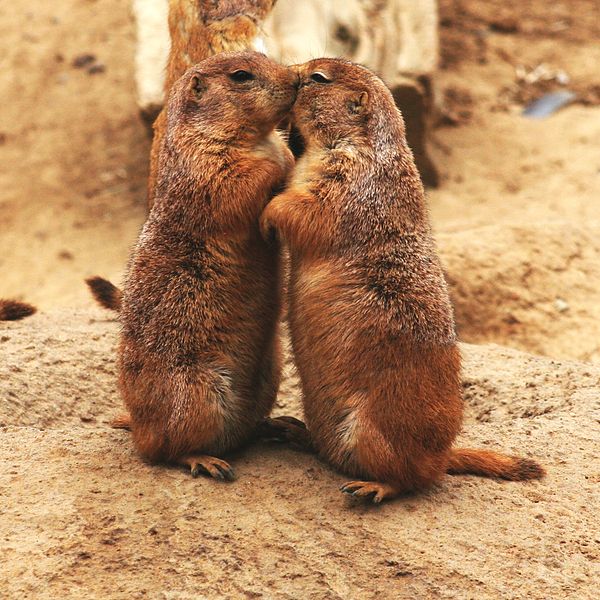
column 12, row 310
column 199, row 353
column 105, row 293
column 122, row 422
column 199, row 29
column 371, row 322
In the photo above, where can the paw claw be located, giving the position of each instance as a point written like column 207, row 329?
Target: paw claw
column 226, row 472
column 209, row 465
column 369, row 490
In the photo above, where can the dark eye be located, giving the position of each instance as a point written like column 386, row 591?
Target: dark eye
column 318, row 77
column 241, row 76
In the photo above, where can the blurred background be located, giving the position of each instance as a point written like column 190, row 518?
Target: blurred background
column 516, row 209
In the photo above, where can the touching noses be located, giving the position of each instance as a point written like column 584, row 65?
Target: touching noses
column 297, row 72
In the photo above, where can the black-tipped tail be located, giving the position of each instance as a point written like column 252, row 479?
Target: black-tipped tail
column 11, row 310
column 105, row 293
column 493, row 464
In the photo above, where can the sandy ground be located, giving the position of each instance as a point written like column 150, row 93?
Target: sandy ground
column 518, row 221
column 84, row 517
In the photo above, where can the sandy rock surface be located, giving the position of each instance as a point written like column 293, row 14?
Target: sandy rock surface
column 83, row 516
column 531, row 287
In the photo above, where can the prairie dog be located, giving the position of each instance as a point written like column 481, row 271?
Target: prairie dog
column 199, row 353
column 371, row 322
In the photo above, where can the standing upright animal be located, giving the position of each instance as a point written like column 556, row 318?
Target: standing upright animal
column 199, row 359
column 198, row 29
column 370, row 318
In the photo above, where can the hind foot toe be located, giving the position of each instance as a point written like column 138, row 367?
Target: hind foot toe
column 372, row 490
column 203, row 464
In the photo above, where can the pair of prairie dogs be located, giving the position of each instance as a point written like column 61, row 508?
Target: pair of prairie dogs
column 370, row 319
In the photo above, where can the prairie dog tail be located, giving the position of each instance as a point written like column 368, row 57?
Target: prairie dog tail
column 493, row 464
column 11, row 310
column 105, row 293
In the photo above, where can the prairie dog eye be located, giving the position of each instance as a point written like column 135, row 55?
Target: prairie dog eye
column 319, row 77
column 241, row 76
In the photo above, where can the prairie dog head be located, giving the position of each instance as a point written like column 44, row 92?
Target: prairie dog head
column 230, row 97
column 342, row 104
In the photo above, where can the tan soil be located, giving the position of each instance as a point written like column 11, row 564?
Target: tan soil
column 84, row 517
column 532, row 287
column 518, row 224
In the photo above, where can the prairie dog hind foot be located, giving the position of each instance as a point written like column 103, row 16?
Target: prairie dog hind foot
column 203, row 464
column 286, row 430
column 122, row 422
column 370, row 490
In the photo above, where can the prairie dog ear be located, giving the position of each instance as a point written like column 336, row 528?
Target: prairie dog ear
column 358, row 103
column 197, row 85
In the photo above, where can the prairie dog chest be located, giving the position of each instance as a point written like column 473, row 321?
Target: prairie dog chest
column 274, row 149
column 307, row 169
column 311, row 278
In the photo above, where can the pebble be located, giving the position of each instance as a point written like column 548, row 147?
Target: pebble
column 561, row 305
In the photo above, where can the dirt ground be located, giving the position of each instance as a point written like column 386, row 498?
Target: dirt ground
column 84, row 517
column 517, row 218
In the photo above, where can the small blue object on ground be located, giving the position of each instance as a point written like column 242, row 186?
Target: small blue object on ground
column 549, row 103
